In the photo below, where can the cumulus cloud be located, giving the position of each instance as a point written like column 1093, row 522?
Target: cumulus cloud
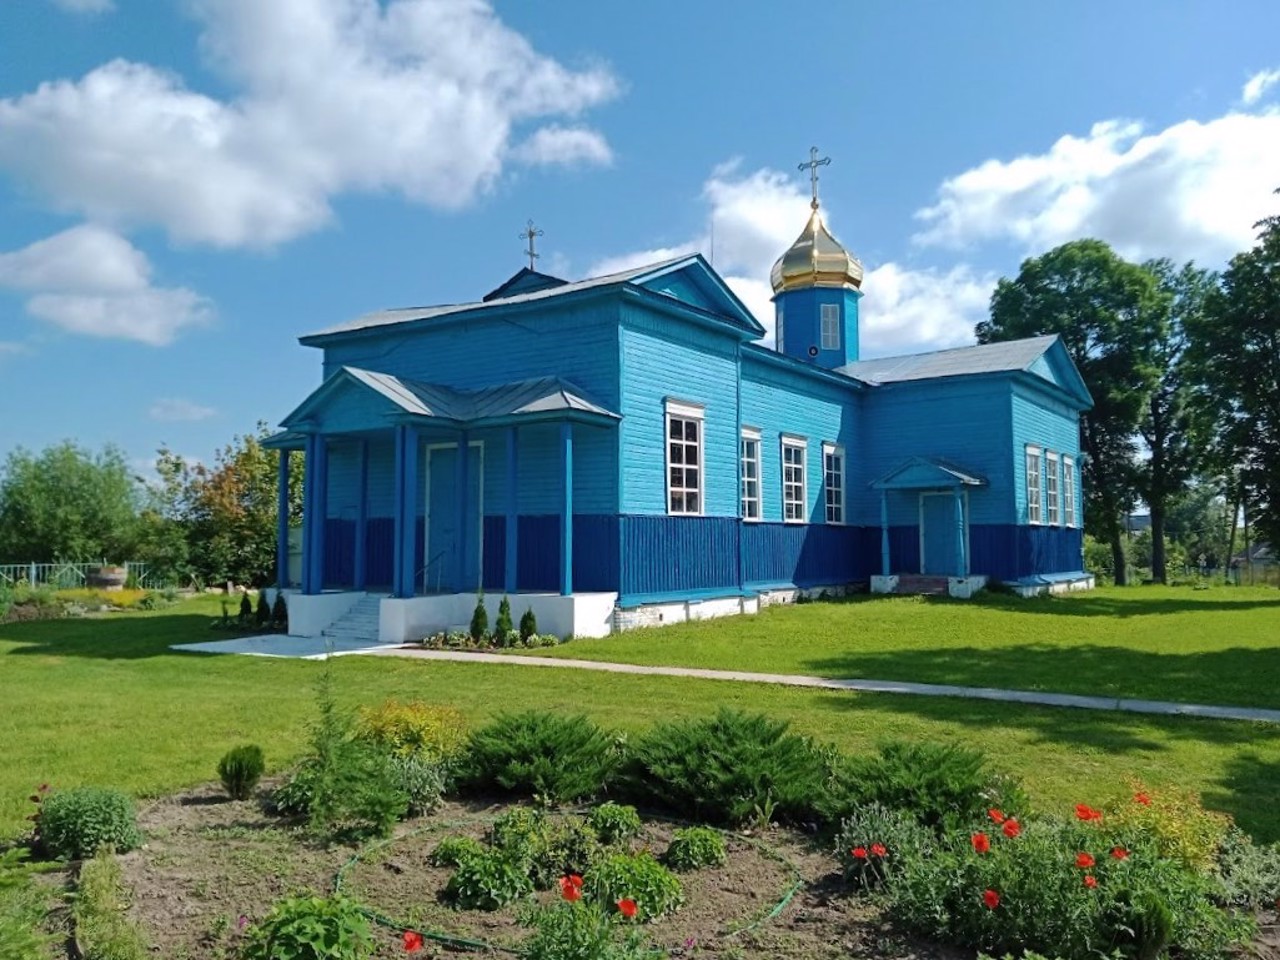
column 425, row 98
column 91, row 280
column 177, row 410
column 1258, row 85
column 1190, row 191
column 910, row 310
column 85, row 6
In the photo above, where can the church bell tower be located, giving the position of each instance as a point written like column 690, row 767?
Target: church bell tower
column 816, row 288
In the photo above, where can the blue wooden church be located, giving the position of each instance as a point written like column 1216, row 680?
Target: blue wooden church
column 623, row 450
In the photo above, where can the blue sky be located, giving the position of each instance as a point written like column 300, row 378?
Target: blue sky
column 187, row 187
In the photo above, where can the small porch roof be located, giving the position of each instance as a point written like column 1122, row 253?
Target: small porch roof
column 922, row 473
column 543, row 398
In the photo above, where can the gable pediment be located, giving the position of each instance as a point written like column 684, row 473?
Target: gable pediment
column 922, row 473
column 693, row 282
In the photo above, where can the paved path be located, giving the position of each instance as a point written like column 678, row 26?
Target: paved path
column 869, row 686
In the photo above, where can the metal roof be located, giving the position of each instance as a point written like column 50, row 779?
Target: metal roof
column 1010, row 356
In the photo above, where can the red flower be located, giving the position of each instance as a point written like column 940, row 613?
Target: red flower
column 1086, row 812
column 859, row 853
column 981, row 844
column 1120, row 853
column 570, row 890
column 1084, row 861
column 575, row 880
column 996, row 816
column 990, row 899
column 412, row 941
column 1011, row 828
column 627, row 908
column 1142, row 798
column 1090, row 881
column 879, row 849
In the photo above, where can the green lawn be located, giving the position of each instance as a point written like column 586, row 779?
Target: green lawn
column 1219, row 646
column 106, row 702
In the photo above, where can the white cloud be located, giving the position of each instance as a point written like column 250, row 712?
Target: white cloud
column 1257, row 85
column 85, row 6
column 175, row 409
column 91, row 280
column 907, row 310
column 1190, row 191
column 420, row 97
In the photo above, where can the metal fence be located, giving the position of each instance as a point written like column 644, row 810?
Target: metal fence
column 65, row 576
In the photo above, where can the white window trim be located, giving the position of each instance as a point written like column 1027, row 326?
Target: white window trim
column 837, row 449
column 1028, row 452
column 801, row 444
column 752, row 434
column 831, row 311
column 683, row 410
column 1052, row 490
column 1069, row 492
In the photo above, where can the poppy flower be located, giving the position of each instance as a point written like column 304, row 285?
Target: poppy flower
column 981, row 843
column 1120, row 853
column 569, row 890
column 997, row 816
column 1084, row 861
column 1090, row 881
column 859, row 853
column 879, row 849
column 1086, row 812
column 1011, row 828
column 990, row 899
column 575, row 880
column 412, row 941
column 627, row 908
column 1142, row 798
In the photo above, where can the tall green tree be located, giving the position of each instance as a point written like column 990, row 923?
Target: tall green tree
column 1166, row 427
column 1110, row 314
column 67, row 503
column 1235, row 349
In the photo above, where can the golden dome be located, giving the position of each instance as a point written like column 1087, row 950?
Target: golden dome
column 816, row 259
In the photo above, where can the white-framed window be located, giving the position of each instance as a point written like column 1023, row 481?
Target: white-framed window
column 1052, row 514
column 1033, row 486
column 830, row 326
column 793, row 480
column 684, row 458
column 833, row 481
column 779, row 328
column 749, row 455
column 1069, row 491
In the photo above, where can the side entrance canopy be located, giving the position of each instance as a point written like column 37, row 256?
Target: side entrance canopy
column 944, row 521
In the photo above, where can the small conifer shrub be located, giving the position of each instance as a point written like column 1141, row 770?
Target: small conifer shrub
column 479, row 620
column 263, row 613
column 503, row 625
column 280, row 611
column 240, row 769
column 246, row 607
column 528, row 624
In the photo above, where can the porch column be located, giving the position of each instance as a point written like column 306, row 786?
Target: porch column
column 463, row 478
column 315, row 503
column 566, row 509
column 406, row 513
column 884, row 532
column 282, row 521
column 362, row 513
column 513, row 509
column 961, row 559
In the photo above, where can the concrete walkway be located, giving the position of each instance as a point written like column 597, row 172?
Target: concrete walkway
column 868, row 686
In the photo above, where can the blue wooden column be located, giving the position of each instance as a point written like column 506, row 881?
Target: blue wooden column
column 463, row 467
column 513, row 509
column 566, row 509
column 961, row 559
column 282, row 521
column 315, row 503
column 884, row 532
column 362, row 514
column 404, row 559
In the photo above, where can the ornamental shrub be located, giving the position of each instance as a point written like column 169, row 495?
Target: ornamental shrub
column 1250, row 871
column 551, row 756
column 725, row 769
column 503, row 625
column 1181, row 827
column 528, row 624
column 262, row 613
column 874, row 840
column 581, row 930
column 488, row 881
column 246, row 608
column 311, row 928
column 614, row 822
column 452, row 850
column 240, row 769
column 694, row 848
column 74, row 824
column 280, row 612
column 571, row 847
column 479, row 620
column 639, row 877
column 423, row 781
column 417, row 729
column 519, row 833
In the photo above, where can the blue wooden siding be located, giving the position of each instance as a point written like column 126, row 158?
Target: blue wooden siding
column 577, row 342
column 663, row 359
column 802, row 325
column 807, row 555
column 1017, row 551
column 678, row 554
column 1050, row 424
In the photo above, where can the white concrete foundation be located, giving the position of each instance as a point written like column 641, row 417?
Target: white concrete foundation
column 1069, row 584
column 962, row 588
column 882, row 584
column 309, row 615
column 580, row 615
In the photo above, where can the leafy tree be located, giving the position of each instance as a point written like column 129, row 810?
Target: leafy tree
column 1235, row 349
column 1199, row 520
column 1166, row 425
column 1110, row 314
column 67, row 504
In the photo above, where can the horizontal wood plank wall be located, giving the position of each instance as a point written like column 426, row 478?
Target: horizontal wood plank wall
column 1050, row 424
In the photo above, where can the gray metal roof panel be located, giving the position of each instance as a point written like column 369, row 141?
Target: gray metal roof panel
column 1005, row 357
